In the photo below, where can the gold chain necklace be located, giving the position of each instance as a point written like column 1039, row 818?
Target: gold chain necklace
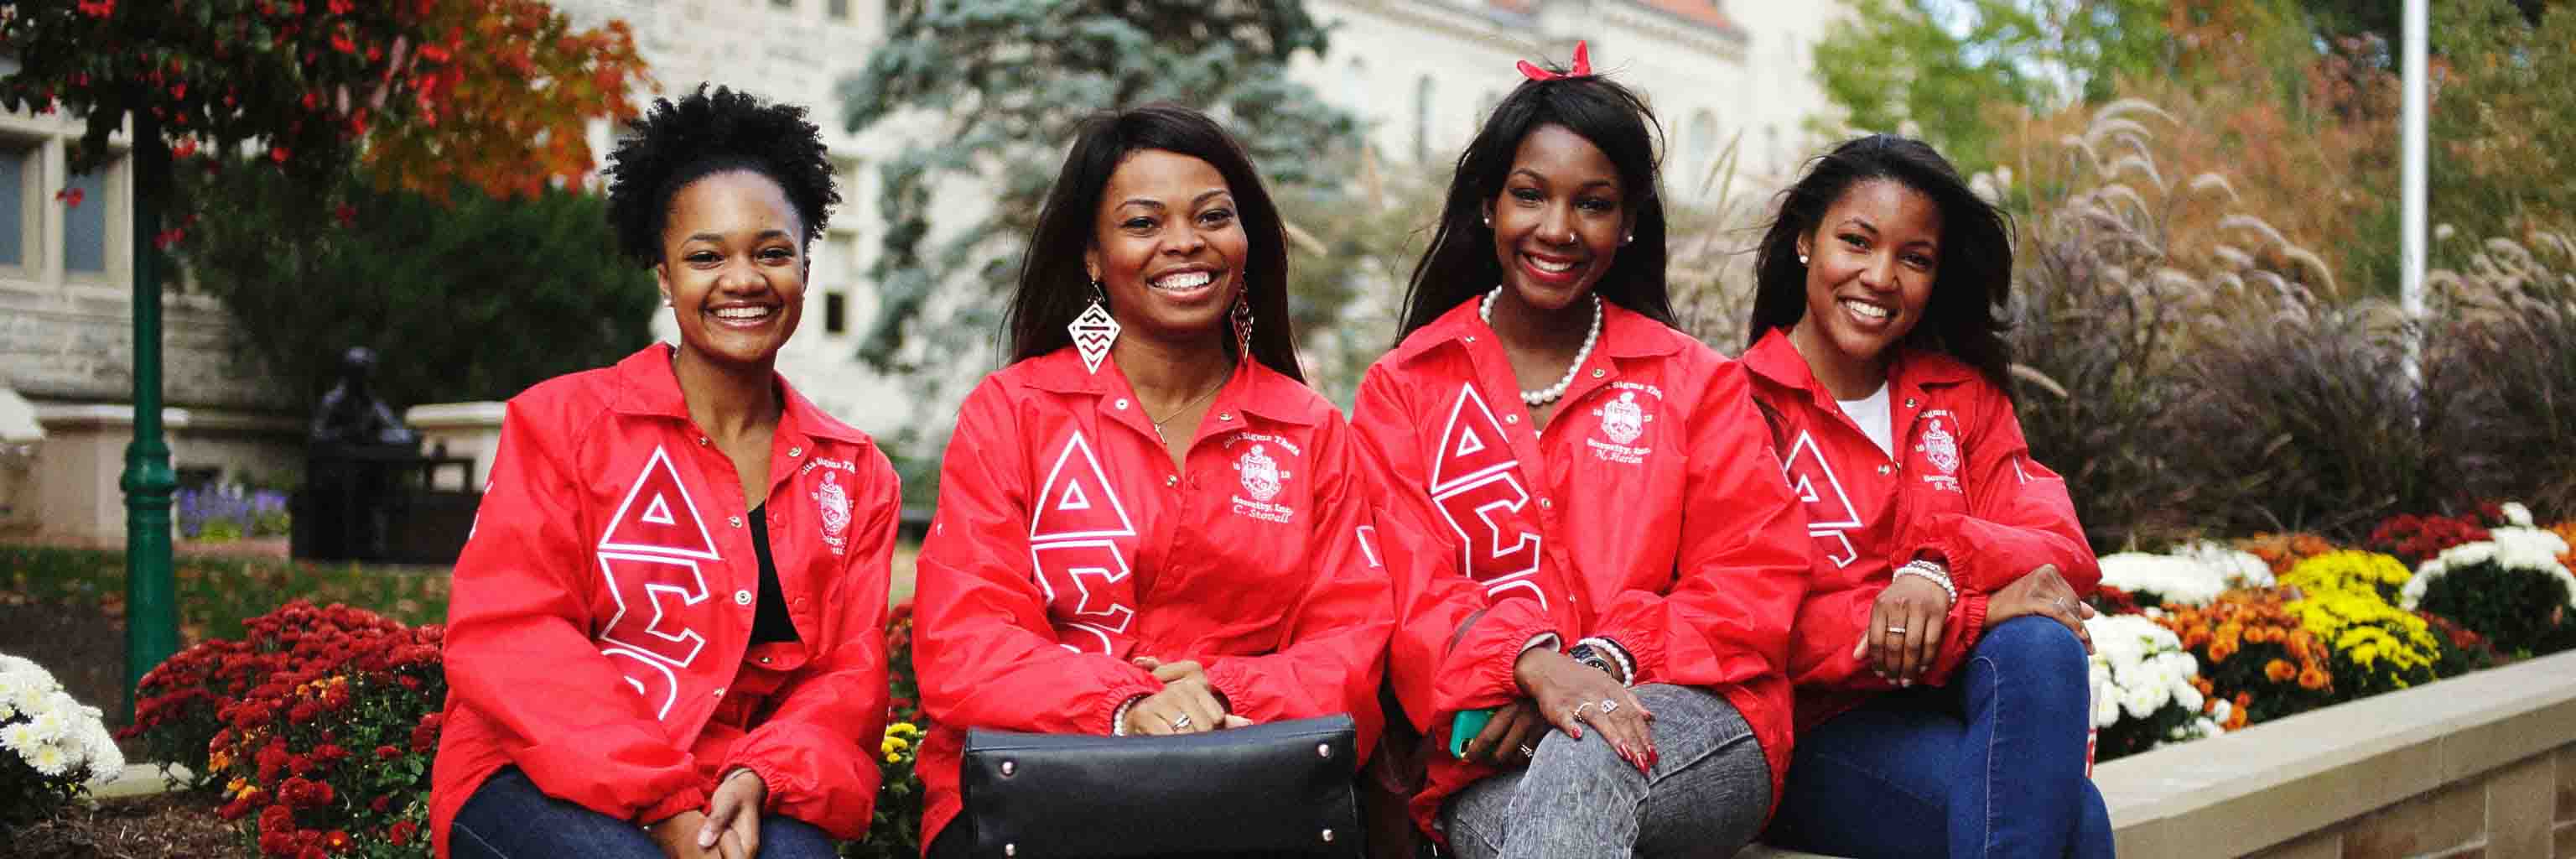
column 1176, row 413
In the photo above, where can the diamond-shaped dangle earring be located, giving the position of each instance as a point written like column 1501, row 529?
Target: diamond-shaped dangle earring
column 1243, row 323
column 1095, row 330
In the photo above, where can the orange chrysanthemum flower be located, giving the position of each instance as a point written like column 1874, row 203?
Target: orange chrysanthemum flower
column 2278, row 670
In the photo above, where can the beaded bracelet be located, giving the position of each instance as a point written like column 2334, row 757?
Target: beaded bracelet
column 1933, row 573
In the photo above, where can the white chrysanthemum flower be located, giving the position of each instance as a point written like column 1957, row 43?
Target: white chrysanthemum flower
column 2517, row 515
column 2221, row 709
column 105, row 760
column 50, row 724
column 49, row 759
column 2511, row 547
column 21, row 738
column 2173, row 579
column 2238, row 568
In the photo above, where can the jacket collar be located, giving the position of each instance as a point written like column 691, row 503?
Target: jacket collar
column 1254, row 387
column 1775, row 359
column 1625, row 333
column 646, row 386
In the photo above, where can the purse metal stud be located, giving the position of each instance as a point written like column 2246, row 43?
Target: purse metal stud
column 1328, row 836
column 1007, row 767
column 1010, row 849
column 1324, row 750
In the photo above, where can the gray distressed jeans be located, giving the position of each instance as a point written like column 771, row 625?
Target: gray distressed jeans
column 1577, row 798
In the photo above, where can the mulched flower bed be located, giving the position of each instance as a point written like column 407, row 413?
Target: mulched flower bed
column 176, row 825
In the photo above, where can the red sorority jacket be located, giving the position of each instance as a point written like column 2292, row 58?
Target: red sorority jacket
column 602, row 609
column 1963, row 489
column 1066, row 544
column 1648, row 512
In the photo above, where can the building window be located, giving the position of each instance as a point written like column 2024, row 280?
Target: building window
column 836, row 313
column 839, row 9
column 1703, row 144
column 783, row 4
column 1423, row 93
column 85, row 225
column 16, row 161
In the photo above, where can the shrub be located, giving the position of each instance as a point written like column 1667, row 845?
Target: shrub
column 2511, row 589
column 2414, row 539
column 2283, row 551
column 179, row 714
column 216, row 513
column 2506, row 343
column 50, row 745
column 2366, row 572
column 896, row 831
column 329, row 748
column 2256, row 656
column 2377, row 647
column 2143, row 689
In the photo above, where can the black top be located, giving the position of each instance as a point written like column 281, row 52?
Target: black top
column 769, row 623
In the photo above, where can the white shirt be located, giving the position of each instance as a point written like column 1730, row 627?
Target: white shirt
column 1871, row 414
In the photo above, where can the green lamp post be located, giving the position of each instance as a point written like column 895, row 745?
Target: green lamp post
column 151, row 605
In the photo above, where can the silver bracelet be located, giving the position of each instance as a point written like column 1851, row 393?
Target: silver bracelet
column 1930, row 572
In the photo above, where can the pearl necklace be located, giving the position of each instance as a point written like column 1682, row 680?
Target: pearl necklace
column 1551, row 393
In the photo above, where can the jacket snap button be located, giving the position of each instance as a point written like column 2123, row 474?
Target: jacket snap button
column 702, row 441
column 795, row 452
column 1547, row 504
column 1171, row 480
column 1324, row 750
column 1909, row 402
column 735, row 521
column 1598, row 372
column 1010, row 849
column 1511, row 419
column 1883, row 469
column 1328, row 835
column 1122, row 404
column 1471, row 338
column 719, row 692
column 764, row 660
column 1225, row 416
column 742, row 597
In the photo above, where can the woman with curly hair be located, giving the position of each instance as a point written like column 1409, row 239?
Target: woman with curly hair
column 666, row 637
column 1939, row 655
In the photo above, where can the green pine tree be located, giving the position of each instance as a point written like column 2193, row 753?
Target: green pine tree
column 990, row 92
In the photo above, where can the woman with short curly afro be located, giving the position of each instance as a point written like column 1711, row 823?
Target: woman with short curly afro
column 666, row 636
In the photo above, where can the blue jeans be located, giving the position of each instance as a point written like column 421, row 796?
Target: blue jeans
column 509, row 818
column 1577, row 798
column 1991, row 766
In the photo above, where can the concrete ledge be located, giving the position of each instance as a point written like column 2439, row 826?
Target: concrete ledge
column 62, row 417
column 2462, row 747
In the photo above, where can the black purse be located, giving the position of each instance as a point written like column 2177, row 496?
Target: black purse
column 1282, row 789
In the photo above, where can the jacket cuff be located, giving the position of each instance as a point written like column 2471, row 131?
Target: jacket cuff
column 773, row 784
column 1499, row 671
column 1114, row 703
column 686, row 799
column 1226, row 678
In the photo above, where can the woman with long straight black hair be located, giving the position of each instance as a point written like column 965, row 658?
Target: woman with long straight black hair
column 1147, row 524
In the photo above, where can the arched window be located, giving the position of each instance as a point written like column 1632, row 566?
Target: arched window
column 1701, row 144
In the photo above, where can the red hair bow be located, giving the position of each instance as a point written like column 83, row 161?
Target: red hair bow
column 1582, row 67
